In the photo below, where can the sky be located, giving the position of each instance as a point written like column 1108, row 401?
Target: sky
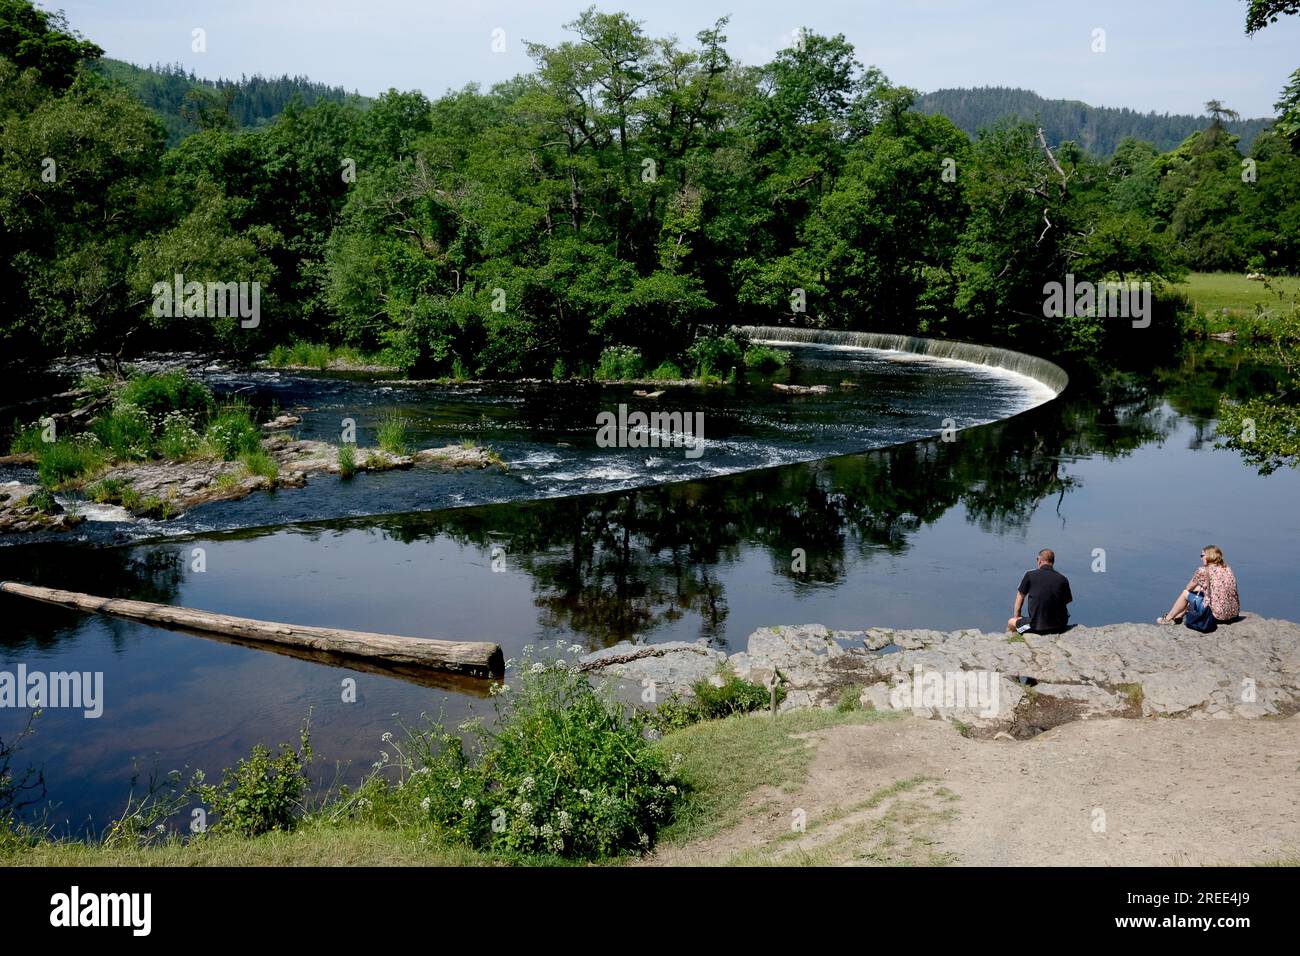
column 1162, row 55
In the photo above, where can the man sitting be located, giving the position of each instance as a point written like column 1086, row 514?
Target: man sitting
column 1049, row 593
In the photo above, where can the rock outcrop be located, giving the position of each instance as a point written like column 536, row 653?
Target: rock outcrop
column 998, row 683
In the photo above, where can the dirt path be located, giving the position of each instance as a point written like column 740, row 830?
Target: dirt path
column 1097, row 792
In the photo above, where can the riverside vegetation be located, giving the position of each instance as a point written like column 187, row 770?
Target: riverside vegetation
column 159, row 443
column 564, row 773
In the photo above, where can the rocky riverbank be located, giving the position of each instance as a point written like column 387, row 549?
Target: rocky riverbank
column 167, row 489
column 994, row 684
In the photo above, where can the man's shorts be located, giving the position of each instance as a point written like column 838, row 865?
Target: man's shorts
column 1024, row 627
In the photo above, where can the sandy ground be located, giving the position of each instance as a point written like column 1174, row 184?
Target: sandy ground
column 1098, row 792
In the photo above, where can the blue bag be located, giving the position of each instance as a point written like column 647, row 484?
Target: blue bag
column 1199, row 616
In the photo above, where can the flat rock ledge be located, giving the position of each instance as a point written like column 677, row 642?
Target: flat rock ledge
column 995, row 684
column 170, row 488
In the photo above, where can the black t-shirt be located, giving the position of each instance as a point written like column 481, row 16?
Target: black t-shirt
column 1049, row 593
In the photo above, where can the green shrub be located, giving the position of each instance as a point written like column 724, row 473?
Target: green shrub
column 262, row 793
column 735, row 696
column 97, row 385
column 392, row 434
column 165, row 392
column 715, row 355
column 558, row 373
column 667, row 372
column 619, row 362
column 179, row 439
column 347, row 460
column 232, row 432
column 42, row 499
column 126, row 432
column 765, row 359
column 566, row 772
column 674, row 713
column 850, row 699
column 68, row 459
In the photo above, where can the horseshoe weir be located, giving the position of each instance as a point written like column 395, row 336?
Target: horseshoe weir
column 1049, row 373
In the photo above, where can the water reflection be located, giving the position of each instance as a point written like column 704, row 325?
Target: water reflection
column 928, row 534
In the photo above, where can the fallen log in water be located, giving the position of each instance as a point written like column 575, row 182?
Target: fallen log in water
column 475, row 658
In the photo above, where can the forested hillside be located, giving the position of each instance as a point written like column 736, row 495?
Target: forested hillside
column 1098, row 129
column 187, row 102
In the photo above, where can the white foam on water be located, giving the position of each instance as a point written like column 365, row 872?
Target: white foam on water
column 1035, row 392
column 92, row 511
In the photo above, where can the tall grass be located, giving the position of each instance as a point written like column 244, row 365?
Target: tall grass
column 25, row 440
column 260, row 464
column 619, row 362
column 317, row 355
column 126, row 432
column 163, row 392
column 667, row 371
column 392, row 434
column 347, row 460
column 232, row 432
column 69, row 459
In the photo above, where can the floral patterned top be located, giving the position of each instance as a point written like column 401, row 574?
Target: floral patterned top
column 1218, row 581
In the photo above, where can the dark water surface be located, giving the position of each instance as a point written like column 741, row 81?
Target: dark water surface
column 928, row 534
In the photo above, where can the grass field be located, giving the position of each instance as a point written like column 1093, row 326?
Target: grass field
column 1213, row 292
column 1229, row 302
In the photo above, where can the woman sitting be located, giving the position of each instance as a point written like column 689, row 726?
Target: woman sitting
column 1213, row 584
